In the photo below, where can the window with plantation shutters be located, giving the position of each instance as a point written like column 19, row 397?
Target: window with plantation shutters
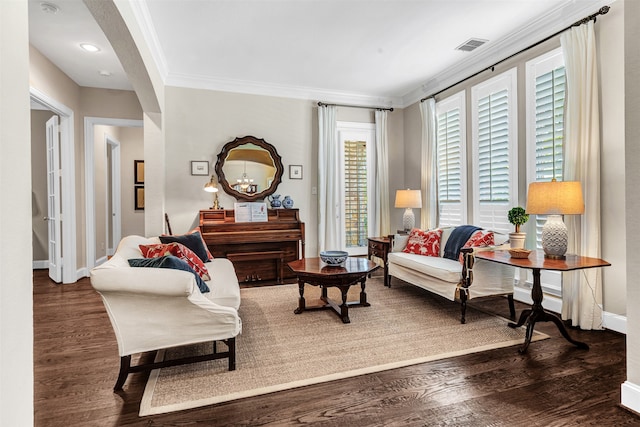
column 355, row 193
column 450, row 154
column 494, row 145
column 356, row 144
column 546, row 86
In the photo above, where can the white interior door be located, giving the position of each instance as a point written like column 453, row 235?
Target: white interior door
column 113, row 192
column 54, row 217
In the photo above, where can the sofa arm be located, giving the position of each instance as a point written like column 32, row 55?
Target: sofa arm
column 149, row 281
column 469, row 260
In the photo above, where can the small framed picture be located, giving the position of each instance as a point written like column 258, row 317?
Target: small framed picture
column 139, row 198
column 199, row 167
column 138, row 172
column 295, row 171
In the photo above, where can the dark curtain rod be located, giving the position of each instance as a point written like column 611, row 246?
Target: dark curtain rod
column 322, row 104
column 603, row 10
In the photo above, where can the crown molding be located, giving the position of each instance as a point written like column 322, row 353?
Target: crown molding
column 484, row 57
column 545, row 25
column 280, row 91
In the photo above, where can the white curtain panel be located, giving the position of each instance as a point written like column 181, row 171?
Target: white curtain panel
column 429, row 171
column 380, row 224
column 582, row 290
column 328, row 185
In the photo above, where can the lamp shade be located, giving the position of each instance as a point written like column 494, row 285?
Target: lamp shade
column 212, row 185
column 555, row 198
column 408, row 199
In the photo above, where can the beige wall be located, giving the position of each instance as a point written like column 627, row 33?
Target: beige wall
column 632, row 207
column 84, row 102
column 610, row 38
column 198, row 123
column 610, row 46
column 39, row 208
column 16, row 283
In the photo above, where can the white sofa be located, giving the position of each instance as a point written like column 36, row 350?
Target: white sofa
column 157, row 308
column 449, row 278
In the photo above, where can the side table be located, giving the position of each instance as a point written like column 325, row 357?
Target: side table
column 537, row 262
column 380, row 247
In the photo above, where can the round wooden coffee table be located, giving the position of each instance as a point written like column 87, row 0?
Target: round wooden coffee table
column 315, row 272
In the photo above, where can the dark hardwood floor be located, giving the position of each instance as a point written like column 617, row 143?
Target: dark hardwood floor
column 554, row 384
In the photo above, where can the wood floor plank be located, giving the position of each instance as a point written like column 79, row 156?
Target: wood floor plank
column 76, row 363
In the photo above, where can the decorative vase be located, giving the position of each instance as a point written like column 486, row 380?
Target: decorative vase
column 287, row 202
column 275, row 201
column 516, row 240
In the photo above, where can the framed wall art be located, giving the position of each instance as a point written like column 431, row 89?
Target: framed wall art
column 199, row 167
column 295, row 171
column 138, row 172
column 139, row 198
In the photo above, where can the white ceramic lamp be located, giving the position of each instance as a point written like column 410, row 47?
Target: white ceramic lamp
column 555, row 198
column 408, row 199
column 212, row 187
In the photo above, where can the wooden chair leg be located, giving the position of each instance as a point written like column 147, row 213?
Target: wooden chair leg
column 463, row 306
column 125, row 364
column 512, row 307
column 231, row 343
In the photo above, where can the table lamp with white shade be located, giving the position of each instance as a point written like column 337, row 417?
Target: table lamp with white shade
column 212, row 187
column 555, row 198
column 408, row 199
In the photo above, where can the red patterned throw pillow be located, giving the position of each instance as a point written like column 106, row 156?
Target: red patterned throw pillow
column 423, row 242
column 479, row 239
column 178, row 250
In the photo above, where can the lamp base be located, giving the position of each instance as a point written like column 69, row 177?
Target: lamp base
column 547, row 256
column 554, row 237
column 408, row 219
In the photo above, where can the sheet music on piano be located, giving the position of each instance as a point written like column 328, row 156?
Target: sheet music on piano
column 251, row 212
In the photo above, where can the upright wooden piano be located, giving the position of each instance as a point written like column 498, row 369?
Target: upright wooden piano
column 259, row 251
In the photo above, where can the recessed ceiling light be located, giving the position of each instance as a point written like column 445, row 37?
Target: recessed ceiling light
column 49, row 8
column 89, row 47
column 105, row 73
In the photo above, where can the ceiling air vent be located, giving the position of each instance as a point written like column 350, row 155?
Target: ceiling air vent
column 471, row 44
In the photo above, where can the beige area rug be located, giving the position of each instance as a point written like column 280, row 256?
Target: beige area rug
column 280, row 350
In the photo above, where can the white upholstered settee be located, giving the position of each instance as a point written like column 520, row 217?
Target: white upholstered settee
column 157, row 308
column 452, row 279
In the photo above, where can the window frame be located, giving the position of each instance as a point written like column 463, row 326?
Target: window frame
column 506, row 80
column 545, row 63
column 456, row 101
column 355, row 131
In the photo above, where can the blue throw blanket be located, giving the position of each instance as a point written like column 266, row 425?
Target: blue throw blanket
column 457, row 239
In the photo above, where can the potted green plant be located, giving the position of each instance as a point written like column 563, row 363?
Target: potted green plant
column 517, row 216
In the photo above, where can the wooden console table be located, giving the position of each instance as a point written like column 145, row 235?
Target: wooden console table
column 258, row 250
column 537, row 262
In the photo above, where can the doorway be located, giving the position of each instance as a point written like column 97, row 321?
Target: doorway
column 109, row 191
column 62, row 260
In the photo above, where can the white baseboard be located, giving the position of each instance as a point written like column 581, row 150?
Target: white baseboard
column 614, row 322
column 82, row 273
column 630, row 396
column 40, row 265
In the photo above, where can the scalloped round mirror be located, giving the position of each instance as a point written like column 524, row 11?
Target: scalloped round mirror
column 249, row 168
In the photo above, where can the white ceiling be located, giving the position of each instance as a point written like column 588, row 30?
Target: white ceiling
column 382, row 51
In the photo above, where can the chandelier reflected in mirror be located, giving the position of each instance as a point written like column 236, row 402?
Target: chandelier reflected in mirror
column 244, row 182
